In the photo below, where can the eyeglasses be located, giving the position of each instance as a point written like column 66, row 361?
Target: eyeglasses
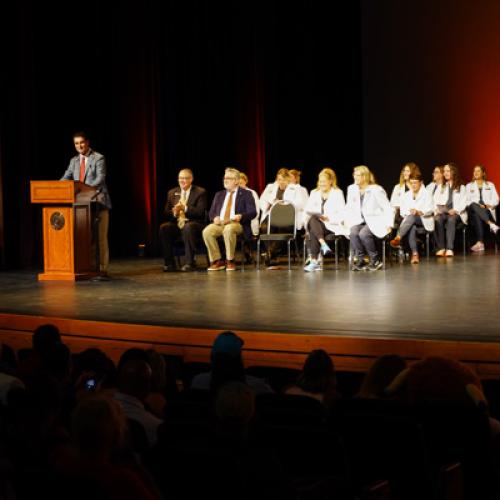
column 229, row 179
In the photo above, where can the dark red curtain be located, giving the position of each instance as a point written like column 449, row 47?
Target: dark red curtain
column 159, row 86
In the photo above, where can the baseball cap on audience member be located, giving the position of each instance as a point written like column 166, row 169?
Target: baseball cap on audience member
column 227, row 342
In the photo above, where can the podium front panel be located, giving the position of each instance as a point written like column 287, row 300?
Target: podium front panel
column 58, row 240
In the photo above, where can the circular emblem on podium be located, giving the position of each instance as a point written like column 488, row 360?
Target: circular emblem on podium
column 57, row 221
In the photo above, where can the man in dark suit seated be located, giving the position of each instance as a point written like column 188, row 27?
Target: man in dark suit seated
column 185, row 211
column 231, row 212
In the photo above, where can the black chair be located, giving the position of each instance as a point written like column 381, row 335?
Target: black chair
column 178, row 248
column 281, row 217
column 289, row 409
column 386, row 447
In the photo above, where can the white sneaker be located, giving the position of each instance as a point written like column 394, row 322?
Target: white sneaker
column 312, row 266
column 478, row 247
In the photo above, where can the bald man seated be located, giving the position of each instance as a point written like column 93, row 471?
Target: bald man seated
column 185, row 212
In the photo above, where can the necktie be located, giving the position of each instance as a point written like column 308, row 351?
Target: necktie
column 82, row 169
column 227, row 213
column 181, row 220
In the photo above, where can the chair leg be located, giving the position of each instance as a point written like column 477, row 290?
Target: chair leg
column 258, row 254
column 336, row 253
column 463, row 240
column 427, row 246
column 289, row 263
column 242, row 254
column 383, row 254
column 304, row 251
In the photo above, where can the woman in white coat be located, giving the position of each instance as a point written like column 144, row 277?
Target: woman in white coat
column 302, row 196
column 324, row 213
column 449, row 213
column 255, row 222
column 437, row 187
column 368, row 215
column 280, row 190
column 482, row 200
column 402, row 187
column 417, row 210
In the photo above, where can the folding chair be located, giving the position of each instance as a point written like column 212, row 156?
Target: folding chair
column 281, row 217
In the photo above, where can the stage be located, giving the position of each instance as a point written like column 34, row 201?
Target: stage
column 445, row 306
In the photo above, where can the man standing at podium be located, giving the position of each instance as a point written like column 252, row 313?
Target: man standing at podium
column 89, row 167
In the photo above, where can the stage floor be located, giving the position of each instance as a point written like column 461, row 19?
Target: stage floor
column 452, row 299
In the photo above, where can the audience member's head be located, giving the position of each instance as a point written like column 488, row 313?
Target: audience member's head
column 132, row 354
column 227, row 360
column 95, row 362
column 382, row 372
column 318, row 373
column 134, row 379
column 45, row 337
column 98, row 427
column 438, row 379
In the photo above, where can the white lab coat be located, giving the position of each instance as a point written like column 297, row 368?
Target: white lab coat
column 397, row 196
column 254, row 223
column 441, row 198
column 334, row 209
column 293, row 193
column 376, row 209
column 423, row 203
column 490, row 195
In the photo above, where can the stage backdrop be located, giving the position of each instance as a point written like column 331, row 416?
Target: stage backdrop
column 431, row 80
column 161, row 85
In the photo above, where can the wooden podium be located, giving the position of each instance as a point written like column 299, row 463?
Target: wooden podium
column 67, row 229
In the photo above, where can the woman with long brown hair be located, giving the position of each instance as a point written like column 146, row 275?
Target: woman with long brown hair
column 482, row 200
column 451, row 211
column 403, row 186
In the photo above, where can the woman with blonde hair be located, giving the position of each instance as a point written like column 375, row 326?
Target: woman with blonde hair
column 368, row 215
column 324, row 211
column 482, row 200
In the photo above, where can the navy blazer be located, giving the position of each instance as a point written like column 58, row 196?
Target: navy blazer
column 244, row 206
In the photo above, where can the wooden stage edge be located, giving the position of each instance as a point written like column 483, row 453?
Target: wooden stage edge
column 261, row 348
